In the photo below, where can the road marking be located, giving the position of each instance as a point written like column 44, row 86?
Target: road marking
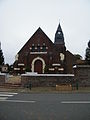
column 3, row 98
column 8, row 93
column 17, row 101
column 75, row 102
column 4, row 95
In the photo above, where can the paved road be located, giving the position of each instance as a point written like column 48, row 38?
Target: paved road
column 22, row 106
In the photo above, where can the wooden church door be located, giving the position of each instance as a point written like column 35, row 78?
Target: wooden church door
column 38, row 66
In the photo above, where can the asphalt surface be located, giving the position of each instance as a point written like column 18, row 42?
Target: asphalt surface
column 72, row 106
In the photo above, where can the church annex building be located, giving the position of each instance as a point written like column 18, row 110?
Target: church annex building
column 41, row 55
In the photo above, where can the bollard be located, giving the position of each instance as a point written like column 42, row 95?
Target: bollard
column 77, row 86
column 30, row 85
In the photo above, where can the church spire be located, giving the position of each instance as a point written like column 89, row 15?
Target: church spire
column 59, row 38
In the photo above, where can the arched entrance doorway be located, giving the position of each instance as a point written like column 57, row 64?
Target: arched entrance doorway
column 38, row 65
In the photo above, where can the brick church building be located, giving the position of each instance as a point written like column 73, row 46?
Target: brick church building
column 41, row 55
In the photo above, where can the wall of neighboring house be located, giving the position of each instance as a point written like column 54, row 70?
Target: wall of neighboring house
column 2, row 78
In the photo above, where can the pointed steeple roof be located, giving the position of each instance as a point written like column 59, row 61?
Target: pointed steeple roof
column 89, row 44
column 59, row 37
column 59, row 28
column 0, row 45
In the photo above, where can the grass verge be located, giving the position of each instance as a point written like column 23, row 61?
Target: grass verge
column 45, row 90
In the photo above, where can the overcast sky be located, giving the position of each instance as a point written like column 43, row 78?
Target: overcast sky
column 19, row 19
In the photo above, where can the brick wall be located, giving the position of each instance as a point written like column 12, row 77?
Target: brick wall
column 33, row 51
column 82, row 75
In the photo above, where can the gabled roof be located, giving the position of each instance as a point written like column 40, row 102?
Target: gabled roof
column 38, row 32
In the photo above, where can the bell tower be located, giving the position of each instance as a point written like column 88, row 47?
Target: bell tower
column 59, row 37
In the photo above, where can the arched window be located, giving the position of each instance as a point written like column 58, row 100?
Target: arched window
column 33, row 48
column 38, row 47
column 44, row 47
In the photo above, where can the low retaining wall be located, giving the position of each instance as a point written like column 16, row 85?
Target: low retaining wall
column 2, row 78
column 40, row 80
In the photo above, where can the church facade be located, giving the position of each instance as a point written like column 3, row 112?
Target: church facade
column 41, row 55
